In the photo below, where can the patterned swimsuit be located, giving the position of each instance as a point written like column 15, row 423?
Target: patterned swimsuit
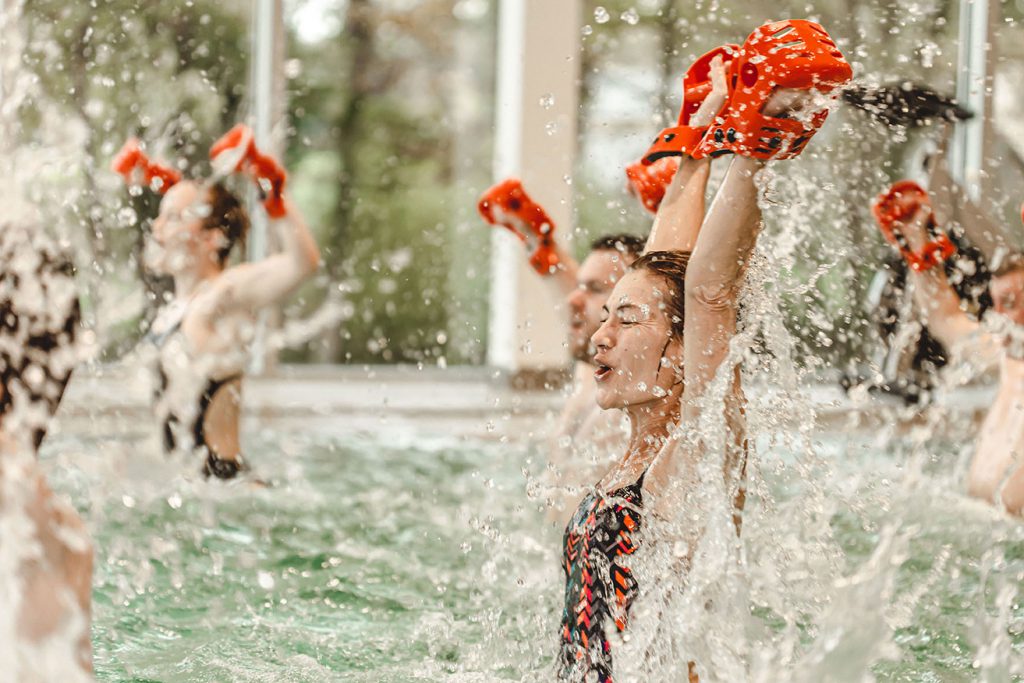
column 599, row 588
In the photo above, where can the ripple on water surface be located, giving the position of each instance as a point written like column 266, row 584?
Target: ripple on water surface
column 424, row 560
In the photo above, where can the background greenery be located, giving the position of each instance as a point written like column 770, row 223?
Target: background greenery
column 389, row 143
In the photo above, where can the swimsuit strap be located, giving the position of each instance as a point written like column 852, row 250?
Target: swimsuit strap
column 160, row 339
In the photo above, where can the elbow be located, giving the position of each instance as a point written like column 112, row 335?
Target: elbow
column 711, row 294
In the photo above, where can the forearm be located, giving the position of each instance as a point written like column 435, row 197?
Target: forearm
column 679, row 218
column 939, row 307
column 565, row 275
column 728, row 236
column 714, row 273
column 295, row 240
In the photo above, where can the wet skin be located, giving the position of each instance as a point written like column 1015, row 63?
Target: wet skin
column 596, row 277
column 631, row 343
column 996, row 472
column 586, row 438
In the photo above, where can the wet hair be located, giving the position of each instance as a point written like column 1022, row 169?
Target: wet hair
column 1011, row 263
column 633, row 245
column 670, row 266
column 228, row 215
column 39, row 317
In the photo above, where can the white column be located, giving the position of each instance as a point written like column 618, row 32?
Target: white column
column 535, row 139
column 974, row 72
column 267, row 93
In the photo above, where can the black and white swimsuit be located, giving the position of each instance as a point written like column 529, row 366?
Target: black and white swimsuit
column 215, row 465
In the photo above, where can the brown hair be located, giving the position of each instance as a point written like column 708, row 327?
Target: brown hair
column 670, row 266
column 229, row 216
column 632, row 245
column 1010, row 263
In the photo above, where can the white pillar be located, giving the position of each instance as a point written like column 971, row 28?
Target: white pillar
column 267, row 93
column 973, row 91
column 535, row 139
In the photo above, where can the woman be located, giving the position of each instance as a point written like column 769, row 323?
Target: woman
column 914, row 223
column 687, row 279
column 203, row 332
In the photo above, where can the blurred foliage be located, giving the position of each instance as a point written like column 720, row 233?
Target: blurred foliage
column 390, row 111
column 372, row 104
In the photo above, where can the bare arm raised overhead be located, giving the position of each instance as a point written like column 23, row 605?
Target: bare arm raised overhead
column 251, row 286
column 679, row 218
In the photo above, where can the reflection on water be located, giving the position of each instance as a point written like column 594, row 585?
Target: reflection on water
column 371, row 560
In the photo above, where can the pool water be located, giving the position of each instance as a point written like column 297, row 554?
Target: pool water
column 414, row 558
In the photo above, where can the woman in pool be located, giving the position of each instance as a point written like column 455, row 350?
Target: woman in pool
column 687, row 279
column 202, row 334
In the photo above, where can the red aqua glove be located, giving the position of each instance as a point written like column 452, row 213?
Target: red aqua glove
column 507, row 205
column 236, row 151
column 137, row 169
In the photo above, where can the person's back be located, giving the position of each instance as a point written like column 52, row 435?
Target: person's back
column 49, row 548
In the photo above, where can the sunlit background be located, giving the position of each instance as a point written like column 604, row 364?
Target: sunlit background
column 389, row 138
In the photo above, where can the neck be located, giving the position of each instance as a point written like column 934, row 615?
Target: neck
column 651, row 423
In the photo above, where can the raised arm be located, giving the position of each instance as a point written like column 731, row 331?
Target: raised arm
column 251, row 286
column 507, row 205
column 935, row 299
column 714, row 274
column 565, row 276
column 681, row 214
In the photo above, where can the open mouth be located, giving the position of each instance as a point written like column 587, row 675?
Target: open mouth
column 602, row 372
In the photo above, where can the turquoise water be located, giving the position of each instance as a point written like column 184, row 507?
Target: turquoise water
column 423, row 560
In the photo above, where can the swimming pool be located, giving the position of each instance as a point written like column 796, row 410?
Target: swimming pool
column 404, row 555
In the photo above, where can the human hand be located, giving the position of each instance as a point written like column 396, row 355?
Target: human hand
column 715, row 99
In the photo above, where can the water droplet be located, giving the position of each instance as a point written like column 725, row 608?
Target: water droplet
column 174, row 501
column 551, row 128
column 547, row 100
column 587, row 30
column 631, row 17
column 265, row 580
column 567, row 179
column 601, row 15
column 127, row 216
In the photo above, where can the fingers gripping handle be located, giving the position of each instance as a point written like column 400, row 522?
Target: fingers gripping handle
column 507, row 205
column 650, row 182
column 138, row 169
column 236, row 151
column 899, row 204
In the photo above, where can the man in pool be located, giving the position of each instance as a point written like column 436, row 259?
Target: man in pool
column 907, row 218
column 585, row 438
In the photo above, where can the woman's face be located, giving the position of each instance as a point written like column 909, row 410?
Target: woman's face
column 632, row 342
column 178, row 242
